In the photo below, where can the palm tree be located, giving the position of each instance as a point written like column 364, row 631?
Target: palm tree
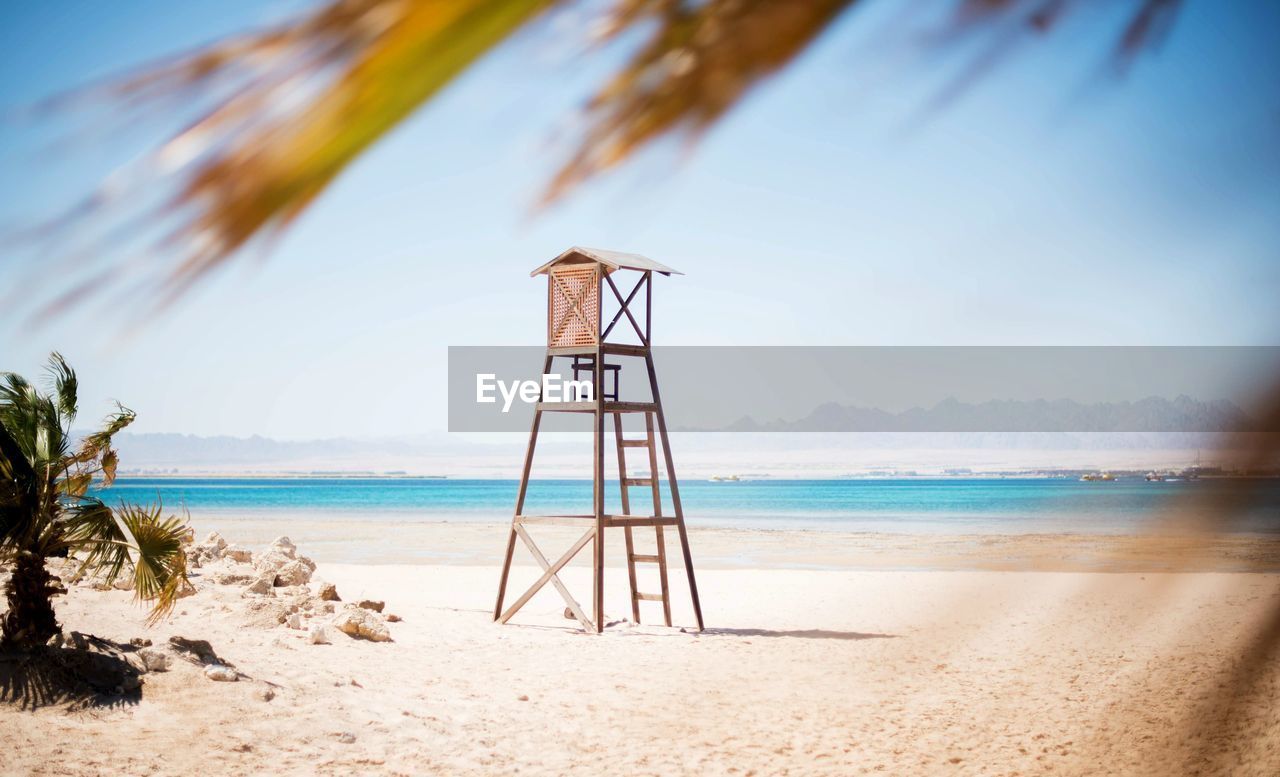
column 45, row 510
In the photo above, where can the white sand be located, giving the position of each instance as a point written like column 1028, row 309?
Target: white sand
column 799, row 672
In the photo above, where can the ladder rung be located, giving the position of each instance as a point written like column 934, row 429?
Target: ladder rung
column 649, row 597
column 642, row 557
column 638, row 481
column 640, row 520
column 564, row 520
column 610, row 406
column 635, row 443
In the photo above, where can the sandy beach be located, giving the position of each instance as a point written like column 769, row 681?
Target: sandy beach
column 800, row 671
column 358, row 356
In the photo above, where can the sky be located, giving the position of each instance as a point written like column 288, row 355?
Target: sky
column 1054, row 203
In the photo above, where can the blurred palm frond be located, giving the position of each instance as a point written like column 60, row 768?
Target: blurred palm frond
column 697, row 64
column 283, row 111
column 286, row 110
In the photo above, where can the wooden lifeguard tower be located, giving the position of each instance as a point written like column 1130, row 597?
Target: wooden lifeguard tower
column 576, row 280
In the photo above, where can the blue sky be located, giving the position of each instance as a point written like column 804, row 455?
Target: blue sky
column 1053, row 204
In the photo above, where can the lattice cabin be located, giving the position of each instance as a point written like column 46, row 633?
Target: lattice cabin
column 576, row 280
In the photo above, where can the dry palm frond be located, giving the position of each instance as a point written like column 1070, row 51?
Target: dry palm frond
column 96, row 451
column 696, row 66
column 287, row 109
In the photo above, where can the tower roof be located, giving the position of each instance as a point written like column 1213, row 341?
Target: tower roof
column 613, row 260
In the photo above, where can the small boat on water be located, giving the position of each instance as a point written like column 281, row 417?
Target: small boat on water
column 1171, row 476
column 724, row 478
column 1090, row 477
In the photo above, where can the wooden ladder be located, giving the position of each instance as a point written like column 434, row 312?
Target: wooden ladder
column 624, row 483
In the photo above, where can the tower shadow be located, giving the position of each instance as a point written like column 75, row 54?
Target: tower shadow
column 797, row 634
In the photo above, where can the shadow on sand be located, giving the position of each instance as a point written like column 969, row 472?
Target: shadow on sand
column 57, row 676
column 714, row 632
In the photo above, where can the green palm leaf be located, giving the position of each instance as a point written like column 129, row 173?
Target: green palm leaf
column 18, row 495
column 64, row 386
column 90, row 527
column 134, row 538
column 18, row 414
column 159, row 562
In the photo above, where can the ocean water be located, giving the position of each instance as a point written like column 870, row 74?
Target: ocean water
column 953, row 505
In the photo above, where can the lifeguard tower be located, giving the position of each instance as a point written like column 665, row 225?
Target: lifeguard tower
column 576, row 302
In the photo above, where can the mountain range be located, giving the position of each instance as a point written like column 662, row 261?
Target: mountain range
column 1152, row 414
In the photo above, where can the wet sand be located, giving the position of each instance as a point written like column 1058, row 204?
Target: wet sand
column 482, row 544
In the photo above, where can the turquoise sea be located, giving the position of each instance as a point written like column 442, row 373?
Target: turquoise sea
column 951, row 505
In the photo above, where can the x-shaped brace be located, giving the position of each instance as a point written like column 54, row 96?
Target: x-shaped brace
column 624, row 306
column 575, row 305
column 549, row 573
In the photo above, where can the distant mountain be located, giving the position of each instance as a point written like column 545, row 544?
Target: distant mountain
column 1153, row 414
column 699, row 455
column 1150, row 424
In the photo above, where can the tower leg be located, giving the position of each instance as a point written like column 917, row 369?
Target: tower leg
column 597, row 591
column 688, row 568
column 665, row 588
column 675, row 489
column 506, row 571
column 524, row 488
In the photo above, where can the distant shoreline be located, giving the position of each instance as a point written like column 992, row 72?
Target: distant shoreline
column 356, row 475
column 1125, row 474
